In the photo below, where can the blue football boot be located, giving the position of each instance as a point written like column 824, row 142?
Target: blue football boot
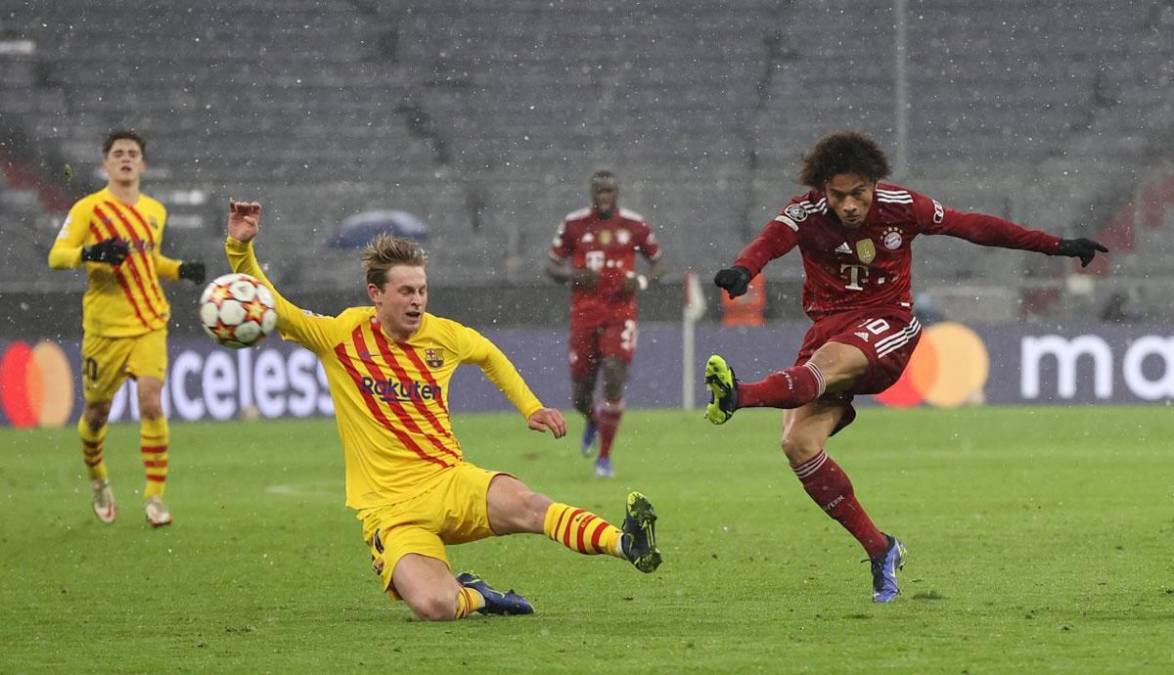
column 639, row 538
column 496, row 602
column 603, row 468
column 587, row 445
column 884, row 571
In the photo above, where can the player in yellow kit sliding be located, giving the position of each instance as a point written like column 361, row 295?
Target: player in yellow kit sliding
column 389, row 366
column 117, row 234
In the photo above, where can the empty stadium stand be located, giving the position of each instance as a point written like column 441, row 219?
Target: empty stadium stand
column 486, row 118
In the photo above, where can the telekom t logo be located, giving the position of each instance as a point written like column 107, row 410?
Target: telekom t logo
column 856, row 274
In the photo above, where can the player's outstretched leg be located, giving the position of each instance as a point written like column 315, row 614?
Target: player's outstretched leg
column 787, row 389
column 723, row 390
column 884, row 571
column 588, row 534
column 640, row 533
column 495, row 602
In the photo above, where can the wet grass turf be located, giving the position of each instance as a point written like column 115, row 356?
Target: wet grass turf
column 1039, row 539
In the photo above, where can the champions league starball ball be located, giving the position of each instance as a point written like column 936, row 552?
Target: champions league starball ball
column 237, row 311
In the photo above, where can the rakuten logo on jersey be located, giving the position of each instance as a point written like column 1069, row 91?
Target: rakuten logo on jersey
column 396, row 390
column 220, row 385
column 1146, row 367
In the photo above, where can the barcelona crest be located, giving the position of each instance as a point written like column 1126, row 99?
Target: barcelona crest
column 433, row 358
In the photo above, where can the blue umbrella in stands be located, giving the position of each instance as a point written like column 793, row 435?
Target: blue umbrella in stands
column 357, row 230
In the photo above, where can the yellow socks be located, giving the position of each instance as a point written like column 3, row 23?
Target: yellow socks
column 153, row 437
column 92, row 442
column 582, row 531
column 468, row 601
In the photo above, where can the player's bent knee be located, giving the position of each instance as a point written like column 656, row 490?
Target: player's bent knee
column 96, row 414
column 513, row 507
column 799, row 449
column 434, row 606
column 536, row 507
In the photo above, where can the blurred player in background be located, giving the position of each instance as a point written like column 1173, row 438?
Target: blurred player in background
column 117, row 234
column 389, row 366
column 595, row 250
column 854, row 235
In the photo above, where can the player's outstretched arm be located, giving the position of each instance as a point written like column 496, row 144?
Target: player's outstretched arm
column 548, row 419
column 244, row 220
column 774, row 241
column 734, row 280
column 475, row 348
column 988, row 230
column 1085, row 249
column 244, row 223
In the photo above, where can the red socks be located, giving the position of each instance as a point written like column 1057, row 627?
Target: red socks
column 788, row 388
column 607, row 418
column 828, row 486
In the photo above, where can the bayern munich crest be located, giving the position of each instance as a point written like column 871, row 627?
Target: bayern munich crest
column 892, row 239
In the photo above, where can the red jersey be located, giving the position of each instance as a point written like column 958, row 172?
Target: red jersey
column 608, row 246
column 868, row 266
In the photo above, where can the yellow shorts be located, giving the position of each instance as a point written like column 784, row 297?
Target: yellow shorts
column 453, row 510
column 107, row 362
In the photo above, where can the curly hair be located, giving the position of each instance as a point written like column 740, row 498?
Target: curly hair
column 385, row 252
column 843, row 152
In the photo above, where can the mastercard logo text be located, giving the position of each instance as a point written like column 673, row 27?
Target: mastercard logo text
column 36, row 385
column 949, row 368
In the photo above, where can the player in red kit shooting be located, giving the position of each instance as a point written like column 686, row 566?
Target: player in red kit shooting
column 595, row 251
column 854, row 235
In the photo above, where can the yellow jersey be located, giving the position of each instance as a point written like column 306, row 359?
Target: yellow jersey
column 390, row 397
column 127, row 299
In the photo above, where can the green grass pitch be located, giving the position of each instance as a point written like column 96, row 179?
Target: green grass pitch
column 1040, row 539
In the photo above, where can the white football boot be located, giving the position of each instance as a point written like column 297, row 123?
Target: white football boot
column 103, row 501
column 158, row 515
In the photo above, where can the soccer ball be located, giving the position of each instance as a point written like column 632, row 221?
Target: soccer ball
column 237, row 311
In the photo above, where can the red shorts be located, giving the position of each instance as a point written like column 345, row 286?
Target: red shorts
column 590, row 344
column 887, row 339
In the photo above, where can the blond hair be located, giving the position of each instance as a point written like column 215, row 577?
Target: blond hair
column 385, row 252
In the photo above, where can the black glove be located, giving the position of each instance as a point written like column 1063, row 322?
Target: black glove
column 734, row 279
column 1085, row 249
column 111, row 251
column 582, row 277
column 192, row 271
